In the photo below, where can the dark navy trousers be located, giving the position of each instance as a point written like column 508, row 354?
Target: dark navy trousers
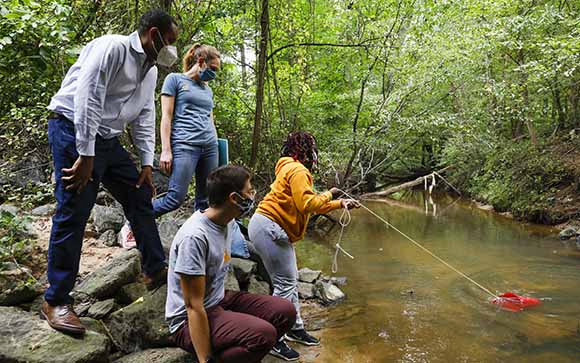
column 114, row 168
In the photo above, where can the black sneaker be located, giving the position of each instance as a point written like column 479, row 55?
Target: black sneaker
column 283, row 351
column 302, row 337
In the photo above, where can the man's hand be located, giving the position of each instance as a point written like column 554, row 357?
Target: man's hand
column 146, row 177
column 350, row 203
column 165, row 161
column 79, row 175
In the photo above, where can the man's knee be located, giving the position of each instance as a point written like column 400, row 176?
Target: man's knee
column 263, row 336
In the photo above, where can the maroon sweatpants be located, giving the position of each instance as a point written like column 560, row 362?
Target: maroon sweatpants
column 243, row 327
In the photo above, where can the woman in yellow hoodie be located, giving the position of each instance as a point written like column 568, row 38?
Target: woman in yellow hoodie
column 281, row 220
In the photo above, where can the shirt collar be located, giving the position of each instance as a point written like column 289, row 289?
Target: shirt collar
column 135, row 41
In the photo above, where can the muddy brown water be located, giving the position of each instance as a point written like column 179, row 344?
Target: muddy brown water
column 404, row 306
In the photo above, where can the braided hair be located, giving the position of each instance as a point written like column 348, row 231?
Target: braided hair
column 301, row 146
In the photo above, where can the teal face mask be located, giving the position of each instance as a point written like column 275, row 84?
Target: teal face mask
column 207, row 74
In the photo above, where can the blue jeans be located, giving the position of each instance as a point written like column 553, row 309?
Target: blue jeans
column 188, row 159
column 113, row 167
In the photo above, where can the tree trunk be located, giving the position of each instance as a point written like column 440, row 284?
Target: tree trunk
column 243, row 60
column 262, row 54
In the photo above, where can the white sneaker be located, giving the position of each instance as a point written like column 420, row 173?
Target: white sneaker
column 126, row 237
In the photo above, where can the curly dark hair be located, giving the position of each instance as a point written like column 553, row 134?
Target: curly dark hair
column 301, row 146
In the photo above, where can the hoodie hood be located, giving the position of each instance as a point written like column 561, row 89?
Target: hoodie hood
column 286, row 161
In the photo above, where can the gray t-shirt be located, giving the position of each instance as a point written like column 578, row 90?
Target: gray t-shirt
column 192, row 122
column 200, row 248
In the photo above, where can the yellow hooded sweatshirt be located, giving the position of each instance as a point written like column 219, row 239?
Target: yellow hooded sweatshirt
column 291, row 199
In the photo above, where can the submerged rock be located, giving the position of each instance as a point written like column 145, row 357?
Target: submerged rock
column 105, row 281
column 567, row 233
column 161, row 355
column 26, row 338
column 328, row 293
column 105, row 218
column 308, row 275
column 142, row 324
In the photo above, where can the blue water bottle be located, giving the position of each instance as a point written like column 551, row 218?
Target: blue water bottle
column 223, row 155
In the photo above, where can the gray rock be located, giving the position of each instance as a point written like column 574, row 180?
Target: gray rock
column 567, row 233
column 109, row 238
column 231, row 283
column 131, row 292
column 25, row 171
column 308, row 275
column 258, row 287
column 101, row 309
column 105, row 218
column 160, row 355
column 243, row 269
column 142, row 324
column 44, row 210
column 16, row 287
column 167, row 230
column 26, row 338
column 305, row 290
column 9, row 208
column 328, row 293
column 105, row 281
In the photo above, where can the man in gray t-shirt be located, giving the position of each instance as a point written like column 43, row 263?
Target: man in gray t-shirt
column 204, row 318
column 200, row 248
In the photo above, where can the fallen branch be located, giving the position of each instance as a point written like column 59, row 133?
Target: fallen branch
column 408, row 185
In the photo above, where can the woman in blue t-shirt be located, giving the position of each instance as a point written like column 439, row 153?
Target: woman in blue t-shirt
column 188, row 134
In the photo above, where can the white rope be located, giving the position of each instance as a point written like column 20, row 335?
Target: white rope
column 344, row 221
column 421, row 247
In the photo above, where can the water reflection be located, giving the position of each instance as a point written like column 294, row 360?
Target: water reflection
column 445, row 318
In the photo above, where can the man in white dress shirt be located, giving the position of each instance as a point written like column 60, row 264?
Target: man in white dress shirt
column 111, row 85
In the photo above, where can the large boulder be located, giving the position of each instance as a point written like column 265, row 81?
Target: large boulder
column 105, row 218
column 16, row 287
column 160, row 355
column 328, row 293
column 307, row 275
column 243, row 269
column 26, row 338
column 106, row 280
column 142, row 324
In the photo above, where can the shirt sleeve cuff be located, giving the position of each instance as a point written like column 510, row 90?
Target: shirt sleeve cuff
column 86, row 148
column 146, row 159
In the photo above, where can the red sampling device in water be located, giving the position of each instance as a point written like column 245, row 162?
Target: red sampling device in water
column 512, row 302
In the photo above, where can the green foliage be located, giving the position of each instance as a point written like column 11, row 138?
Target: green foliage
column 14, row 243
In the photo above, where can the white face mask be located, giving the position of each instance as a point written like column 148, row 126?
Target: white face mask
column 167, row 56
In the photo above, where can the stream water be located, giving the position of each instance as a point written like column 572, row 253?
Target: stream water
column 404, row 306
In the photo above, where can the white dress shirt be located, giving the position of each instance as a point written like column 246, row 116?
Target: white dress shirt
column 110, row 86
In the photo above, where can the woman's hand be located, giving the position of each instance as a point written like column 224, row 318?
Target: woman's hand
column 165, row 161
column 350, row 203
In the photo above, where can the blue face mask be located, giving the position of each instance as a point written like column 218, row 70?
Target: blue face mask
column 207, row 74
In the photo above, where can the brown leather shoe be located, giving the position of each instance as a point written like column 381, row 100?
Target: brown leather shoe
column 62, row 318
column 158, row 279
